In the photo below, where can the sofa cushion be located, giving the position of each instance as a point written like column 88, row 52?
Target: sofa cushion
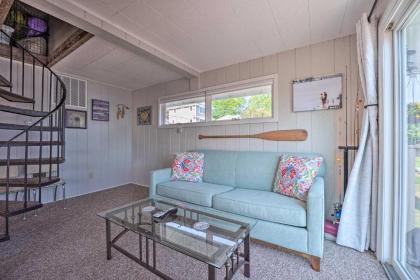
column 196, row 193
column 263, row 205
column 247, row 170
column 256, row 170
column 219, row 167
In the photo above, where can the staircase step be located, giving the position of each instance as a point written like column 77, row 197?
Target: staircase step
column 30, row 143
column 18, row 207
column 31, row 161
column 13, row 97
column 23, row 127
column 17, row 184
column 4, row 82
column 20, row 111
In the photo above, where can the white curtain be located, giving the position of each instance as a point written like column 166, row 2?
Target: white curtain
column 359, row 214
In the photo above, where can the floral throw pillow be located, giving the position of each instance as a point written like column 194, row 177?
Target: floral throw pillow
column 188, row 167
column 295, row 175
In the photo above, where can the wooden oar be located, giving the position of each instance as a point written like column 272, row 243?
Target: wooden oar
column 275, row 135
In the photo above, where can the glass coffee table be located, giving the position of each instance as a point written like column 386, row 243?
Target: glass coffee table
column 223, row 245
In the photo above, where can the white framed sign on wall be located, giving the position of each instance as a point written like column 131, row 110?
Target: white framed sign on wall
column 321, row 93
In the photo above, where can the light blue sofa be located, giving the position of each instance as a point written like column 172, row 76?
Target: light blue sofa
column 239, row 185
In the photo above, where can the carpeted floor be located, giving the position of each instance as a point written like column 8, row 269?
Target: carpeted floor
column 70, row 244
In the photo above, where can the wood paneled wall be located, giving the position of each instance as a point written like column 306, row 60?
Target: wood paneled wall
column 154, row 147
column 98, row 157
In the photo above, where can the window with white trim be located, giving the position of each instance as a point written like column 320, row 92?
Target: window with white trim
column 183, row 110
column 249, row 103
column 246, row 101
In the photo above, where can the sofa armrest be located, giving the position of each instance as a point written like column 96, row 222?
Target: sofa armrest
column 315, row 218
column 158, row 176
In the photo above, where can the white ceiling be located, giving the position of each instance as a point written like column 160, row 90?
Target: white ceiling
column 103, row 61
column 208, row 34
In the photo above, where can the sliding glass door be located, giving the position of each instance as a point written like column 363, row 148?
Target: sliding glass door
column 408, row 143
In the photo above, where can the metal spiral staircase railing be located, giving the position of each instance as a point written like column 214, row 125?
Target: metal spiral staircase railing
column 32, row 94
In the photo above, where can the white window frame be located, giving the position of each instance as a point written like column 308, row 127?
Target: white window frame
column 391, row 178
column 210, row 91
column 405, row 10
column 176, row 97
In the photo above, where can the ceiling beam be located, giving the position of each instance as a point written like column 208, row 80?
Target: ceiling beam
column 73, row 41
column 5, row 6
column 72, row 13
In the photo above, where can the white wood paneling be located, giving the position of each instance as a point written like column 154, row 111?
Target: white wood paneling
column 326, row 129
column 97, row 157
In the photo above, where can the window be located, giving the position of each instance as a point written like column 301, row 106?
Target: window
column 183, row 111
column 408, row 143
column 249, row 103
column 246, row 101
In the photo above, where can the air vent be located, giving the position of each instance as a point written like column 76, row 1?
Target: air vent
column 76, row 92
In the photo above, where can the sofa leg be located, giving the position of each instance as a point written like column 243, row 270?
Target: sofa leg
column 315, row 263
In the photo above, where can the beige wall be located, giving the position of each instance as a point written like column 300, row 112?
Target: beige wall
column 154, row 147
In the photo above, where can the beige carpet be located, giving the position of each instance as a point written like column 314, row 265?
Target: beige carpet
column 70, row 244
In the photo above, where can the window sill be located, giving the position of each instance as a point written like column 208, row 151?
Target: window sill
column 219, row 123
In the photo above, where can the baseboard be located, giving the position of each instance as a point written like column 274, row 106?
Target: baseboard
column 141, row 184
column 91, row 192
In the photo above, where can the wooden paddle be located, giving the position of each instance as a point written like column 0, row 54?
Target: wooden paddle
column 275, row 135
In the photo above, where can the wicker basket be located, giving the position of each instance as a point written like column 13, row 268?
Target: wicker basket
column 37, row 45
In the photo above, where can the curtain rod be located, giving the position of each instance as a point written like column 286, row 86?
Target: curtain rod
column 372, row 9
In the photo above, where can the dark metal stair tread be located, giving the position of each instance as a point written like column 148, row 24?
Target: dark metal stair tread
column 17, row 183
column 20, row 111
column 23, row 127
column 31, row 161
column 17, row 207
column 30, row 143
column 13, row 97
column 4, row 82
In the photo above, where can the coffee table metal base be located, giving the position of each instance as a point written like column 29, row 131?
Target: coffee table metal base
column 148, row 260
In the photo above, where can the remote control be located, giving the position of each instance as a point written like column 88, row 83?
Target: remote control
column 163, row 214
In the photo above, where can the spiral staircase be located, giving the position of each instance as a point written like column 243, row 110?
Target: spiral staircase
column 32, row 99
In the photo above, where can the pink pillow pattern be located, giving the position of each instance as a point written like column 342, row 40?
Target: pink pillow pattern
column 295, row 175
column 188, row 167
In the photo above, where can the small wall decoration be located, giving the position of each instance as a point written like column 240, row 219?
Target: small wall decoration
column 121, row 108
column 100, row 110
column 76, row 119
column 322, row 93
column 144, row 115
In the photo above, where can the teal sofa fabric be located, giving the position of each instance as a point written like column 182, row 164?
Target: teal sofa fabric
column 239, row 185
column 220, row 168
column 197, row 193
column 262, row 205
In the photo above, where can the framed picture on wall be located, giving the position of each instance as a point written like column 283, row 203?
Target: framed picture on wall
column 144, row 115
column 321, row 93
column 100, row 110
column 76, row 119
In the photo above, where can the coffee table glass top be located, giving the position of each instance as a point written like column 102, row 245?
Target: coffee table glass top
column 212, row 246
